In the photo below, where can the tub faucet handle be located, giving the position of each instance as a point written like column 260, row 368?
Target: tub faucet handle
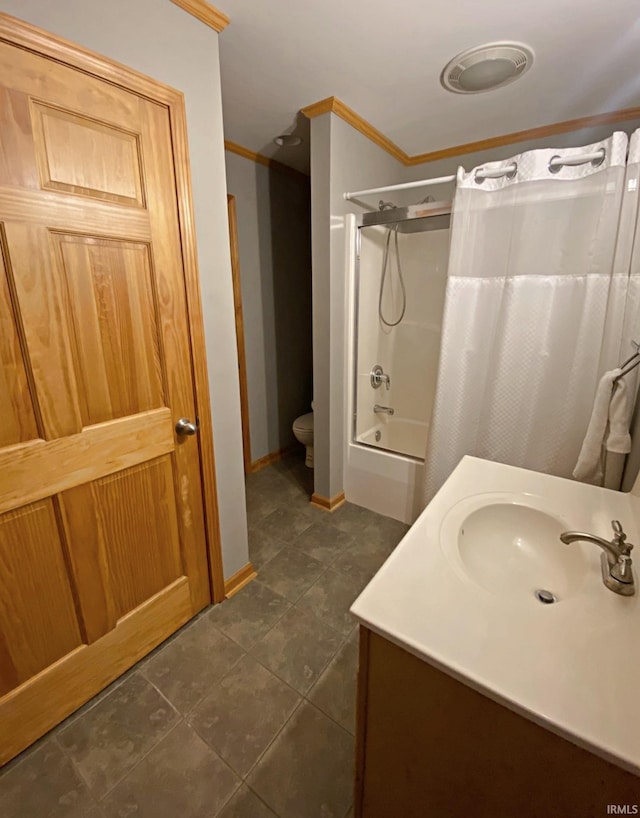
column 379, row 377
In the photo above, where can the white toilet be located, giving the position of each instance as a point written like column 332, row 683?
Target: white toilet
column 303, row 431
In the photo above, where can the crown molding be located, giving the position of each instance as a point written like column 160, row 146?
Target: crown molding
column 335, row 106
column 206, row 13
column 567, row 125
column 267, row 161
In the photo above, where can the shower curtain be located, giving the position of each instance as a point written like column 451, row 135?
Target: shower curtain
column 534, row 310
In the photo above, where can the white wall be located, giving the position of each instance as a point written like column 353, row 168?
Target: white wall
column 341, row 159
column 160, row 40
column 274, row 244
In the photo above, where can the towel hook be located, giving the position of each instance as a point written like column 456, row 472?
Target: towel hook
column 634, row 360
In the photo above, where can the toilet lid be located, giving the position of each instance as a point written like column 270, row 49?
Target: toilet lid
column 304, row 423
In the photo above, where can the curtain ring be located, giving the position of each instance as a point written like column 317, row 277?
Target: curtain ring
column 555, row 168
column 560, row 164
column 511, row 174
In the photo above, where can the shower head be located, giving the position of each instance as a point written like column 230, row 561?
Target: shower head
column 382, row 205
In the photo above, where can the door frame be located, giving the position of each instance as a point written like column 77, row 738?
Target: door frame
column 24, row 35
column 242, row 357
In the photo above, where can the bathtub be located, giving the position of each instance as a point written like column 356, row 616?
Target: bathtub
column 399, row 435
column 382, row 480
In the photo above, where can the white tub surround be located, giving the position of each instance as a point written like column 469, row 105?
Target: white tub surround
column 386, row 475
column 408, row 352
column 398, row 435
column 572, row 666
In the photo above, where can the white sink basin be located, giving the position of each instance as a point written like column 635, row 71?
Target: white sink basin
column 464, row 602
column 513, row 549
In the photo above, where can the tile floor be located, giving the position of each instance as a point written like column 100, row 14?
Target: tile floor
column 247, row 712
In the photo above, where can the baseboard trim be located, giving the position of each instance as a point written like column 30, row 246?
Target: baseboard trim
column 328, row 503
column 241, row 578
column 273, row 457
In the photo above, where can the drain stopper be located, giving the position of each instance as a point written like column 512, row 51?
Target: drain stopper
column 546, row 597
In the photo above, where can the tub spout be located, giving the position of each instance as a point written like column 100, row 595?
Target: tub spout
column 383, row 410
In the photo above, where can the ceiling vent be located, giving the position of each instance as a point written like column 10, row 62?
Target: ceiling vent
column 486, row 67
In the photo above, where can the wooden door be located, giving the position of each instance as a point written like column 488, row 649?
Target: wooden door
column 102, row 533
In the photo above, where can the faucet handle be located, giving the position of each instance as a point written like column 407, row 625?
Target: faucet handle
column 620, row 538
column 621, row 571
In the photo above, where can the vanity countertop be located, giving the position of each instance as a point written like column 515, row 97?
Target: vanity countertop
column 573, row 666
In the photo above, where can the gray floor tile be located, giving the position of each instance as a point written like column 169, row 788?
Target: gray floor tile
column 246, row 804
column 299, row 476
column 372, row 547
column 243, row 713
column 250, row 613
column 353, row 519
column 186, row 669
column 360, row 571
column 271, row 485
column 180, row 778
column 263, row 545
column 258, row 506
column 291, row 572
column 324, row 541
column 108, row 740
column 385, row 533
column 298, row 648
column 308, row 770
column 44, row 782
column 25, row 754
column 264, row 495
column 100, row 696
column 370, row 550
column 335, row 691
column 288, row 522
column 330, row 598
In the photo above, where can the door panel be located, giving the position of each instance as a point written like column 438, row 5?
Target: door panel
column 80, row 155
column 39, row 309
column 113, row 316
column 36, row 601
column 137, row 518
column 17, row 418
column 102, row 532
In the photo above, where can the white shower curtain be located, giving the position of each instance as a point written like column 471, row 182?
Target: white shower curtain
column 533, row 314
column 629, row 252
column 630, row 240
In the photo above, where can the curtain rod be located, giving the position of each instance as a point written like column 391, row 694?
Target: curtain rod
column 405, row 186
column 555, row 163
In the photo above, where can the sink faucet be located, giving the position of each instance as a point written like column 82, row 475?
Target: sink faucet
column 615, row 561
column 383, row 410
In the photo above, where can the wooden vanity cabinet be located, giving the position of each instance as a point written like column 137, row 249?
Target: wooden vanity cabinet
column 429, row 746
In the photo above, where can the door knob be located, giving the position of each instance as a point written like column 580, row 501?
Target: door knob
column 185, row 427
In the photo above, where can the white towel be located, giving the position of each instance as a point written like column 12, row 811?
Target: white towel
column 608, row 428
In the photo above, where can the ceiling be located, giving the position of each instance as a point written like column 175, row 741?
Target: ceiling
column 384, row 59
